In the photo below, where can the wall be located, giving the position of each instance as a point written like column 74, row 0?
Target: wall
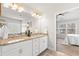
column 44, row 24
column 52, row 32
column 35, row 24
column 38, row 24
column 51, row 16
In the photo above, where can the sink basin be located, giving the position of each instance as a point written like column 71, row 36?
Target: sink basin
column 12, row 41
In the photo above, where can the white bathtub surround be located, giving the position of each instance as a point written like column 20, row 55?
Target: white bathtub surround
column 72, row 39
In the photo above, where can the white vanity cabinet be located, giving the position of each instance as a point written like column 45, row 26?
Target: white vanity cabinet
column 43, row 43
column 18, row 49
column 31, row 47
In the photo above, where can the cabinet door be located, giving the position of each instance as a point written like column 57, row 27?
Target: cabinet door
column 11, row 50
column 26, row 48
column 36, row 46
column 14, row 52
column 43, row 44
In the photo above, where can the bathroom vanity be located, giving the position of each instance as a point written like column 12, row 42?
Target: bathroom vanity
column 20, row 44
column 23, row 45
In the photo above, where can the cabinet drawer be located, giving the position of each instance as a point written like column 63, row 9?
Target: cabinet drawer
column 35, row 40
column 45, row 37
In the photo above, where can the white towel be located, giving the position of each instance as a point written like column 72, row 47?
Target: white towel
column 5, row 32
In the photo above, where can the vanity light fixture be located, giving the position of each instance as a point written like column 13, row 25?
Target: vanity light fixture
column 36, row 13
column 14, row 6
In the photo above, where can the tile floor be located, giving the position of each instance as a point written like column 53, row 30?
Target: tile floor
column 62, row 50
column 52, row 53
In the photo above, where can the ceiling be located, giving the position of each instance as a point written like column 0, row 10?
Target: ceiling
column 53, row 8
column 46, row 7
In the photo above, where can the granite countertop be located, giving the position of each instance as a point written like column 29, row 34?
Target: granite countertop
column 20, row 38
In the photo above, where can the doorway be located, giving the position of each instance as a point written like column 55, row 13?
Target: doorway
column 67, row 32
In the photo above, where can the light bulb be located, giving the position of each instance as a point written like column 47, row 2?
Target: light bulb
column 33, row 14
column 20, row 9
column 14, row 6
column 38, row 15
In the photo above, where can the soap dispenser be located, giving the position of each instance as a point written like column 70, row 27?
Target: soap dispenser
column 28, row 32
